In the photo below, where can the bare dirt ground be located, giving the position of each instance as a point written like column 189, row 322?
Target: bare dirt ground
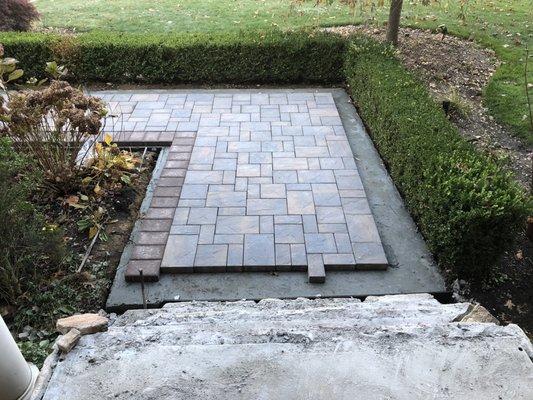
column 457, row 70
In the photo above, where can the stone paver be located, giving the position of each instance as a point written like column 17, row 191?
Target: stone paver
column 253, row 181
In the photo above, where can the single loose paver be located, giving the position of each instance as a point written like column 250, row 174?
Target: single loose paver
column 255, row 181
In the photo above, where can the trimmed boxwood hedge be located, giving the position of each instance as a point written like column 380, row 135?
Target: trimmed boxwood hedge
column 260, row 57
column 466, row 206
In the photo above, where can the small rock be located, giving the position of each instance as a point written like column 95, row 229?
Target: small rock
column 66, row 342
column 85, row 323
column 479, row 314
column 23, row 335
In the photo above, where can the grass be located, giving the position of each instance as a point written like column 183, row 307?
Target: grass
column 503, row 25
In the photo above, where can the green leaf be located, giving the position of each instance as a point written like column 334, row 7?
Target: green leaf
column 15, row 75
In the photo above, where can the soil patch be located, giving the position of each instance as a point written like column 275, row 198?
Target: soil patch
column 458, row 70
column 509, row 295
column 67, row 291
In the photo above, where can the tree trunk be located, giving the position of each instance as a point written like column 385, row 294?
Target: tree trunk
column 394, row 21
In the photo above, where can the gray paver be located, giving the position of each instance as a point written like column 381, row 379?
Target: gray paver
column 326, row 195
column 330, row 215
column 283, row 257
column 203, row 177
column 266, row 224
column 194, row 192
column 300, row 202
column 226, row 199
column 235, row 257
column 207, row 232
column 362, row 228
column 369, row 256
column 273, row 191
column 211, row 255
column 180, row 252
column 315, row 268
column 285, row 233
column 237, row 224
column 203, row 216
column 298, row 255
column 320, row 243
column 266, row 207
column 253, row 170
column 258, row 251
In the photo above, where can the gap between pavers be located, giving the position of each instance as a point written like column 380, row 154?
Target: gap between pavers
column 412, row 268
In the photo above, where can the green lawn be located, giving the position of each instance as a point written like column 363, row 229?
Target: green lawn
column 504, row 25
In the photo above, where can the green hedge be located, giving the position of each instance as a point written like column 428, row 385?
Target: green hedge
column 466, row 206
column 271, row 57
column 32, row 50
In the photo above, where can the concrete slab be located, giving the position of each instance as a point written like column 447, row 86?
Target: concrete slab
column 394, row 347
column 411, row 267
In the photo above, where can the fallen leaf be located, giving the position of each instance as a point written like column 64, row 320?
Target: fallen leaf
column 72, row 200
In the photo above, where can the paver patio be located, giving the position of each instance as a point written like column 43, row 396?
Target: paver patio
column 252, row 182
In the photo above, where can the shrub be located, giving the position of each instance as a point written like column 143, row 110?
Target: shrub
column 466, row 206
column 52, row 125
column 33, row 50
column 269, row 57
column 27, row 245
column 17, row 15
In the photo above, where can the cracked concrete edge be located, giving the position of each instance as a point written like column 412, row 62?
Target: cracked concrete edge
column 134, row 322
column 45, row 374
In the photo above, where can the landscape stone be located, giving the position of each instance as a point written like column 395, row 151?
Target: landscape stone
column 86, row 324
column 66, row 342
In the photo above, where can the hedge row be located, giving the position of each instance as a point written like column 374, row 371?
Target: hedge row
column 271, row 57
column 466, row 206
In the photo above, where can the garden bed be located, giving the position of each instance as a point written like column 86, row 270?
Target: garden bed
column 457, row 71
column 68, row 291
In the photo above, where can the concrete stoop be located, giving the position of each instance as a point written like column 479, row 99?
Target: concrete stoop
column 391, row 347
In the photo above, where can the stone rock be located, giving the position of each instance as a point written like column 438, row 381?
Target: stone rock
column 66, row 342
column 85, row 323
column 478, row 314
